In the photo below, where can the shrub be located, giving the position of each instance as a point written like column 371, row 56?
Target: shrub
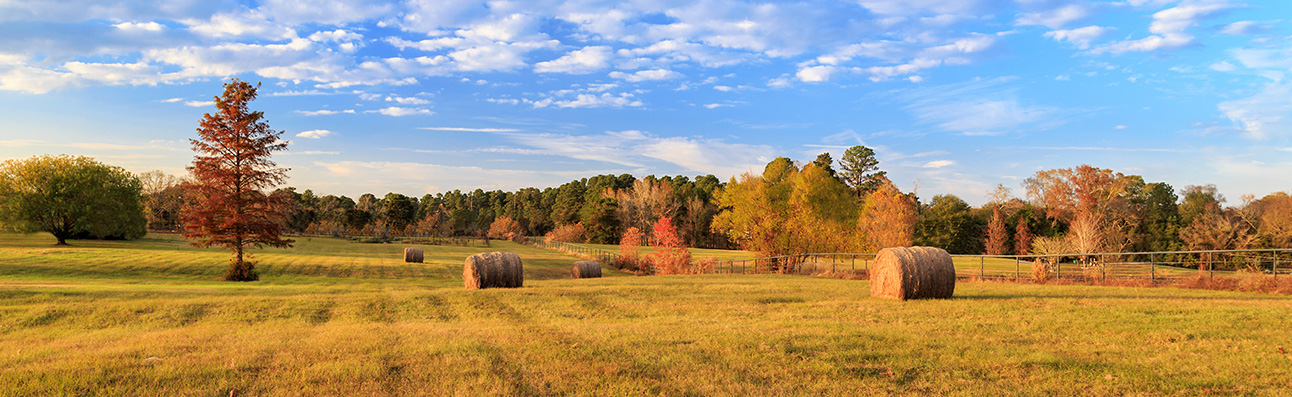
column 503, row 227
column 572, row 233
column 630, row 256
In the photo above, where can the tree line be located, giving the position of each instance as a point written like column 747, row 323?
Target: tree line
column 794, row 207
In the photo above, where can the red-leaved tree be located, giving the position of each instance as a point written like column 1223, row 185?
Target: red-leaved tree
column 670, row 256
column 231, row 171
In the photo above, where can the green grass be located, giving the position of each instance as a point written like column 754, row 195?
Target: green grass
column 333, row 317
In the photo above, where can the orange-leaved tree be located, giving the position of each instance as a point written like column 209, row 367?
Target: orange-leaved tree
column 670, row 256
column 888, row 218
column 231, row 171
column 630, row 248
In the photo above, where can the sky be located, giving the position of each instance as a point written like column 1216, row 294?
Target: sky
column 423, row 96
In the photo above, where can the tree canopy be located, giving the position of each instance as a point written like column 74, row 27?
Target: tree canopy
column 70, row 196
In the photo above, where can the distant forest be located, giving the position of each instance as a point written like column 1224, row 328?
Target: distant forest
column 797, row 207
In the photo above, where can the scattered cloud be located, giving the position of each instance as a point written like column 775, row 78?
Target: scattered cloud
column 198, row 104
column 323, row 112
column 1080, row 37
column 314, row 134
column 399, row 111
column 585, row 60
column 1170, row 28
column 939, row 164
column 465, row 129
column 646, row 75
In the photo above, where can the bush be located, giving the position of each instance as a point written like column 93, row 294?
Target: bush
column 503, row 227
column 630, row 256
column 574, row 233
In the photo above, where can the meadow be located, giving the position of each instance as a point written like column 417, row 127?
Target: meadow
column 330, row 316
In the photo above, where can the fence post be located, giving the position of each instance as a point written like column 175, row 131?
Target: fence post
column 1017, row 268
column 854, row 262
column 982, row 266
column 1152, row 268
column 1058, row 274
column 1276, row 264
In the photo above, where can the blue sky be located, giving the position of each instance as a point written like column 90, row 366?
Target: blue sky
column 423, row 96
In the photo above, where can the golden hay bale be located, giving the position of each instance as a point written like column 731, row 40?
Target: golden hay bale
column 912, row 273
column 493, row 270
column 413, row 255
column 585, row 269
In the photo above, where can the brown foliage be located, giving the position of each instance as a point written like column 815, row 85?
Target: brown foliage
column 503, row 227
column 231, row 170
column 573, row 233
column 1022, row 238
column 997, row 234
column 630, row 249
column 1094, row 200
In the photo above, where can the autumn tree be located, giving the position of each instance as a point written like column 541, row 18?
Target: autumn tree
column 860, row 170
column 822, row 214
column 997, row 241
column 888, row 218
column 68, row 196
column 1022, row 237
column 1095, row 202
column 231, row 172
column 505, row 228
column 671, row 255
column 754, row 210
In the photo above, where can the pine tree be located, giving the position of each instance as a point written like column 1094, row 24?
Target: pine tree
column 1022, row 238
column 231, row 172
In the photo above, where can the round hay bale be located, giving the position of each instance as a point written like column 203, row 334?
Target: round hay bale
column 585, row 269
column 493, row 270
column 912, row 273
column 413, row 255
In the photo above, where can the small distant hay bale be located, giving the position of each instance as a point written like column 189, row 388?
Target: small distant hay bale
column 912, row 273
column 585, row 269
column 493, row 270
column 413, row 255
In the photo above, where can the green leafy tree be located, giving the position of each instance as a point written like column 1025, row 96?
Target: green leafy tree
column 860, row 170
column 948, row 223
column 69, row 196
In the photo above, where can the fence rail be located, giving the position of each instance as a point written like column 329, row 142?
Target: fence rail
column 1093, row 266
column 597, row 254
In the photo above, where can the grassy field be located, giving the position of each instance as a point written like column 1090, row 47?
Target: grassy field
column 696, row 253
column 334, row 317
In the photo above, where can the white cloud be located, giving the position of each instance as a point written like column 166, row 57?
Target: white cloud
column 646, row 75
column 1080, row 37
column 1267, row 114
column 978, row 108
column 140, row 26
column 1055, row 18
column 171, row 100
column 637, row 149
column 399, row 111
column 239, row 25
column 590, row 101
column 816, row 74
column 314, row 134
column 1245, row 28
column 466, row 129
column 407, row 100
column 323, row 112
column 198, row 104
column 581, row 61
column 939, row 164
column 1170, row 28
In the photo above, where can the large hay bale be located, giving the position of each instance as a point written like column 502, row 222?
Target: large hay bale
column 585, row 269
column 493, row 270
column 912, row 273
column 413, row 255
